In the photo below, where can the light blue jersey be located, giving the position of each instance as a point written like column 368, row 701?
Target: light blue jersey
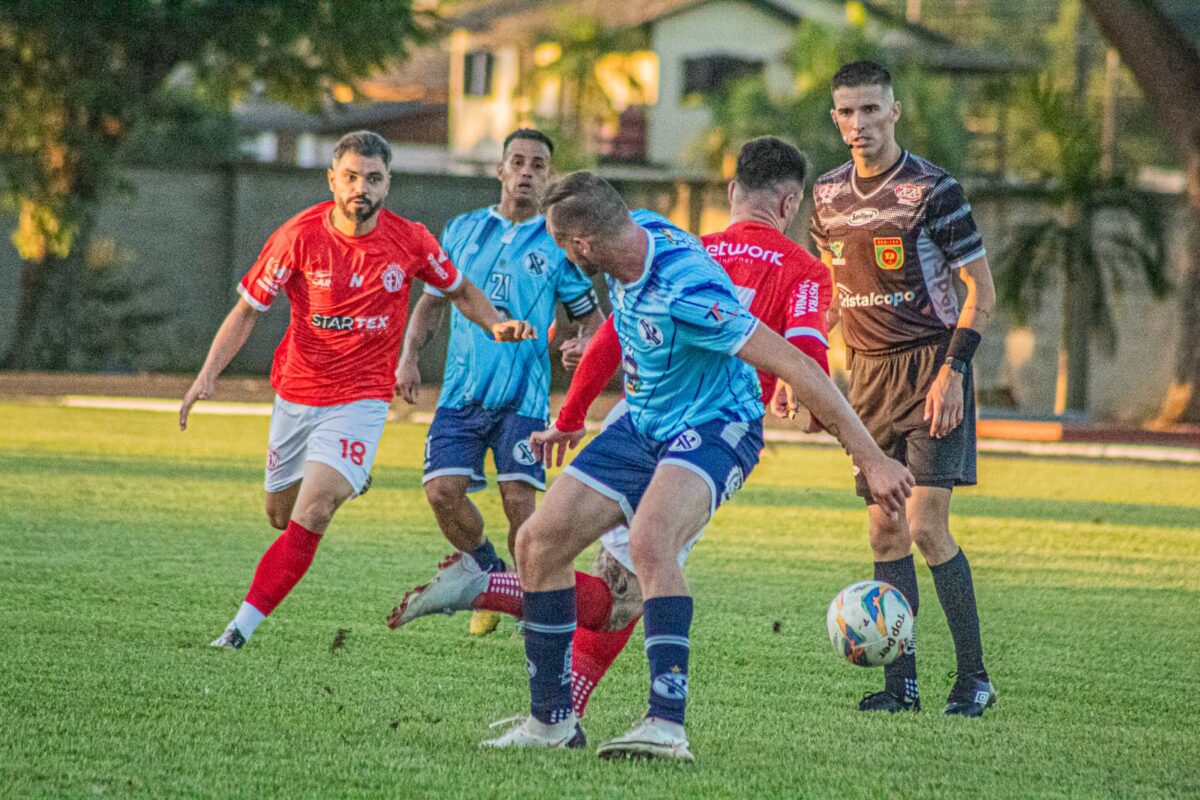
column 680, row 326
column 524, row 274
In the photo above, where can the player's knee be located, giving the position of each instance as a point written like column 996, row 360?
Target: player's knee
column 649, row 554
column 929, row 537
column 443, row 494
column 536, row 547
column 278, row 518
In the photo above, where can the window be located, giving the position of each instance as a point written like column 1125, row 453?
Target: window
column 477, row 73
column 710, row 74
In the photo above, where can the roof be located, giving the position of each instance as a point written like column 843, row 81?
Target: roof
column 259, row 114
column 505, row 21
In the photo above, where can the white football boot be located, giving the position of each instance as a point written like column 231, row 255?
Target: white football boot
column 649, row 738
column 230, row 639
column 529, row 732
column 459, row 581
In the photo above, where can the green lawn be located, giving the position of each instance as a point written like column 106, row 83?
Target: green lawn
column 126, row 546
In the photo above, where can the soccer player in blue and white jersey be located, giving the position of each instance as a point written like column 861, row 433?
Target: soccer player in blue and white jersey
column 691, row 437
column 494, row 396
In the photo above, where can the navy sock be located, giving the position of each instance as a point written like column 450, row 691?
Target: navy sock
column 900, row 677
column 549, row 626
column 485, row 556
column 667, row 621
column 956, row 593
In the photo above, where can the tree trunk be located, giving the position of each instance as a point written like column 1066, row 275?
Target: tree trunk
column 1166, row 64
column 49, row 309
column 20, row 347
column 1074, row 355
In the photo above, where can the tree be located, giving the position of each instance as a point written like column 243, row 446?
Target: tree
column 576, row 45
column 1166, row 65
column 1070, row 247
column 78, row 78
column 931, row 122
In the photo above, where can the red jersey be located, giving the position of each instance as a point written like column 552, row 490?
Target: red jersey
column 781, row 283
column 349, row 297
column 777, row 279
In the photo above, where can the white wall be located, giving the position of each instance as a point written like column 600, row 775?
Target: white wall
column 729, row 28
column 478, row 125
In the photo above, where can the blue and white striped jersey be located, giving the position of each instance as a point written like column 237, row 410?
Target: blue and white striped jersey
column 524, row 274
column 681, row 326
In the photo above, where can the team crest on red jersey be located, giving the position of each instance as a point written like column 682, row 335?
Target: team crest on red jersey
column 909, row 194
column 393, row 278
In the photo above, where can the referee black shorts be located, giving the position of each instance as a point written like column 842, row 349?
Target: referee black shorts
column 888, row 393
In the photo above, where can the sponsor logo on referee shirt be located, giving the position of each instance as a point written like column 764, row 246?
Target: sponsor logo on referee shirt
column 909, row 194
column 889, row 252
column 848, row 299
column 863, row 216
column 837, row 248
column 827, row 191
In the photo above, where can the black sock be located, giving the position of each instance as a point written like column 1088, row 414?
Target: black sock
column 900, row 677
column 485, row 556
column 956, row 592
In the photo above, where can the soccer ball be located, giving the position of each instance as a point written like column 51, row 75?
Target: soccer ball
column 870, row 624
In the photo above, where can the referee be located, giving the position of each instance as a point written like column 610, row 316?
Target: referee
column 897, row 231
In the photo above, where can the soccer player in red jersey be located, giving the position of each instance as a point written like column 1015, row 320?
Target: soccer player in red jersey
column 347, row 266
column 784, row 286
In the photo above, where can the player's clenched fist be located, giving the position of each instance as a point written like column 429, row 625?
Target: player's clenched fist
column 202, row 389
column 513, row 330
column 554, row 444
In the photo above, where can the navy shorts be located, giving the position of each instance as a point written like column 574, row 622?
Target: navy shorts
column 620, row 462
column 460, row 437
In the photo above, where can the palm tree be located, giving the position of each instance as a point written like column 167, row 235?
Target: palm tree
column 1100, row 230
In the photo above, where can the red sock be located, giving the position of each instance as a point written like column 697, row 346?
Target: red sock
column 282, row 567
column 503, row 594
column 593, row 600
column 592, row 653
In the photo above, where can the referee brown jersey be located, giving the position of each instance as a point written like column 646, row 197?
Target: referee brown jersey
column 894, row 242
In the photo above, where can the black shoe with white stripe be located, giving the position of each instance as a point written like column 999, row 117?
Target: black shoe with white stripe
column 970, row 696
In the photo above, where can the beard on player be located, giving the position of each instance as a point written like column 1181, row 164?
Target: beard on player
column 359, row 209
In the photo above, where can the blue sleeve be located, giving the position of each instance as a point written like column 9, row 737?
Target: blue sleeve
column 708, row 315
column 574, row 290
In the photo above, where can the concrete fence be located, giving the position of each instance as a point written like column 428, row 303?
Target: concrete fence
column 188, row 235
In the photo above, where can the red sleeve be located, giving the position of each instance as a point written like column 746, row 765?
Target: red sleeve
column 435, row 267
column 273, row 268
column 600, row 360
column 808, row 307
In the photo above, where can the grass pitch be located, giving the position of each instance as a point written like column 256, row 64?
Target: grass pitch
column 126, row 546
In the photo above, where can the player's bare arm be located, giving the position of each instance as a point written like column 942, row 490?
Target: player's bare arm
column 475, row 306
column 891, row 483
column 944, row 402
column 423, row 322
column 230, row 339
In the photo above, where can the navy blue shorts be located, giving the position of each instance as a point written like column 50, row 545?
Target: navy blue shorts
column 460, row 437
column 620, row 462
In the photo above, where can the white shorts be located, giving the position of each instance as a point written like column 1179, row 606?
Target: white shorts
column 346, row 437
column 616, row 541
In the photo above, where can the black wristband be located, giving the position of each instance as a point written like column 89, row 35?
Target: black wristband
column 963, row 343
column 956, row 364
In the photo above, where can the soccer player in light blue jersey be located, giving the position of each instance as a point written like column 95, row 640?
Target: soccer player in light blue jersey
column 691, row 437
column 494, row 396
